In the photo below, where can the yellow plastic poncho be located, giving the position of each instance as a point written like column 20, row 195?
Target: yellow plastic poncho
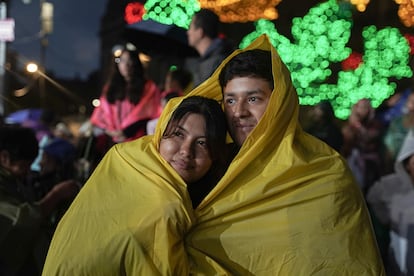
column 287, row 205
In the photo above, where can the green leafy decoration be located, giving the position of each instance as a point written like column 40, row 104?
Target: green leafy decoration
column 178, row 12
column 319, row 39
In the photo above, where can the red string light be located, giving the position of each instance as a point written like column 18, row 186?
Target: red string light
column 134, row 12
column 352, row 62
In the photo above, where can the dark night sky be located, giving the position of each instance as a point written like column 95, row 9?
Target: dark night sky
column 73, row 48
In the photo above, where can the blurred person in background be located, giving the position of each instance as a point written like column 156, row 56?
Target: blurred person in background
column 43, row 128
column 151, row 125
column 391, row 200
column 203, row 35
column 57, row 165
column 177, row 82
column 399, row 127
column 363, row 144
column 324, row 126
column 21, row 219
column 128, row 101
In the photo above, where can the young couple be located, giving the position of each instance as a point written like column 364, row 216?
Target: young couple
column 287, row 204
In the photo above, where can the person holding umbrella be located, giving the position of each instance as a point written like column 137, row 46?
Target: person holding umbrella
column 203, row 35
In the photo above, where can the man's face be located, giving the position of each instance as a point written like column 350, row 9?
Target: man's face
column 245, row 101
column 194, row 34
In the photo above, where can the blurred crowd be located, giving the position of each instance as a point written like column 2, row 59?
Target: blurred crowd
column 378, row 144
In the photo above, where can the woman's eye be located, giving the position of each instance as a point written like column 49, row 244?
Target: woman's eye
column 202, row 143
column 178, row 133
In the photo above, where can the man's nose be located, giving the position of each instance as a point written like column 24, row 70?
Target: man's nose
column 240, row 109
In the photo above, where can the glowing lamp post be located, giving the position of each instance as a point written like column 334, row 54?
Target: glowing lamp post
column 32, row 67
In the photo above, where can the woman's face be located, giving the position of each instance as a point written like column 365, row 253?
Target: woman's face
column 126, row 65
column 186, row 149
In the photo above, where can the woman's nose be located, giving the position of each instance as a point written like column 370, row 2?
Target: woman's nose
column 186, row 148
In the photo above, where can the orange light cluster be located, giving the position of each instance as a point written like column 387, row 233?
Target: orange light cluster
column 361, row 5
column 231, row 11
column 406, row 12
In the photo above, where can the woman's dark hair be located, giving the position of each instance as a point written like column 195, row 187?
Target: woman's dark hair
column 119, row 89
column 216, row 140
column 19, row 142
column 253, row 63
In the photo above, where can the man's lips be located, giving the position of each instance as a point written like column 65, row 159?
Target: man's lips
column 244, row 126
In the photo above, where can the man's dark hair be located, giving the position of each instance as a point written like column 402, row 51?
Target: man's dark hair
column 208, row 21
column 253, row 63
column 19, row 142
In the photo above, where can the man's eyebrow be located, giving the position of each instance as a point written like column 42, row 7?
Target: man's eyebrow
column 250, row 92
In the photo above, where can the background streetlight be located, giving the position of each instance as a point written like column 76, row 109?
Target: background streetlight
column 33, row 68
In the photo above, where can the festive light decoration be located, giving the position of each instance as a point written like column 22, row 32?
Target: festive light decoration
column 361, row 5
column 242, row 10
column 406, row 12
column 178, row 12
column 352, row 62
column 134, row 12
column 410, row 39
column 386, row 55
column 320, row 39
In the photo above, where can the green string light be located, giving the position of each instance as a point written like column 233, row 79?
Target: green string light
column 178, row 12
column 320, row 39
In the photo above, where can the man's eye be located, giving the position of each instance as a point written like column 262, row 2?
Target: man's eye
column 252, row 99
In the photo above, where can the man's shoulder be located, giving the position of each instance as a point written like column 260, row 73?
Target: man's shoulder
column 219, row 47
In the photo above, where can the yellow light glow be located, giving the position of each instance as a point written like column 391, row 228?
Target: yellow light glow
column 231, row 11
column 361, row 5
column 406, row 12
column 32, row 67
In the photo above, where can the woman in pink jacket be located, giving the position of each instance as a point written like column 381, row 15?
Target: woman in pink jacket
column 128, row 100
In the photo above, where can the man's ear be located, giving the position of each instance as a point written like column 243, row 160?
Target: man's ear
column 4, row 158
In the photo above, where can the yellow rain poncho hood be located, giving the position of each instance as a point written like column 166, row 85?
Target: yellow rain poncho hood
column 287, row 205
